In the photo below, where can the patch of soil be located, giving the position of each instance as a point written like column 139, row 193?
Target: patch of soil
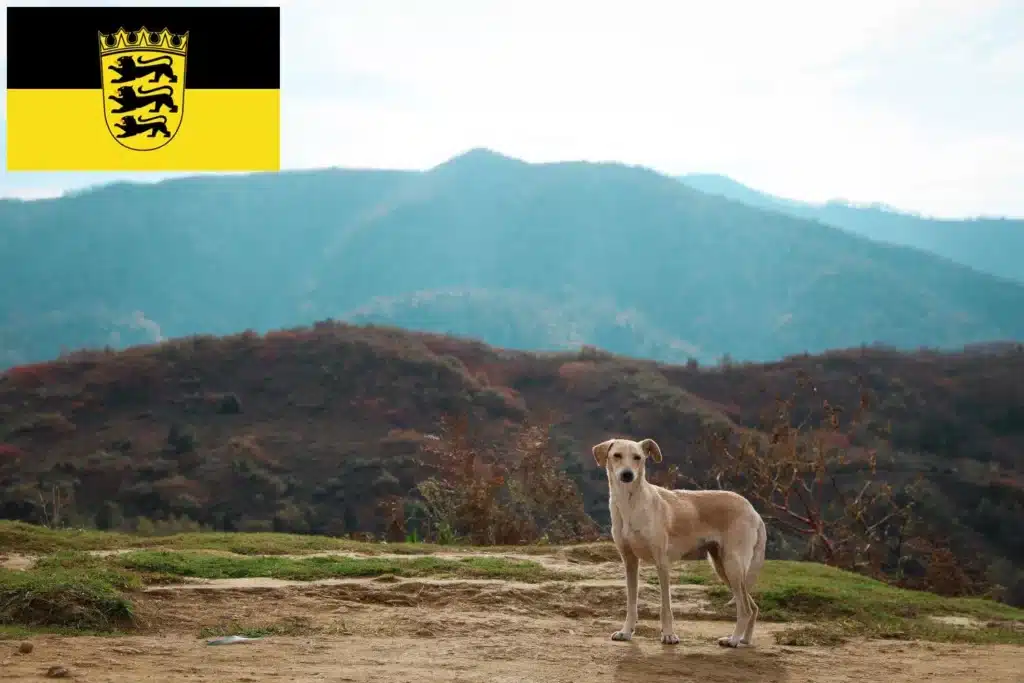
column 574, row 600
column 380, row 643
column 486, row 631
column 16, row 561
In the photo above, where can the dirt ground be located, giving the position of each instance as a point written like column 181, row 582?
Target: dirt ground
column 419, row 630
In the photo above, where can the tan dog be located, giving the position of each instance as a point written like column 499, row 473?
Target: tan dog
column 659, row 526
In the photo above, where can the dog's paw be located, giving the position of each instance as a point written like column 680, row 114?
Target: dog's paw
column 729, row 641
column 669, row 639
column 622, row 636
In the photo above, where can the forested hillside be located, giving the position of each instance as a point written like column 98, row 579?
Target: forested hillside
column 313, row 430
column 987, row 244
column 532, row 256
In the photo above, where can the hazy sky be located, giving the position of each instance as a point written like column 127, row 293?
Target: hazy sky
column 915, row 104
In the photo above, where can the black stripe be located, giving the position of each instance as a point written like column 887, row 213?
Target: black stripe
column 57, row 48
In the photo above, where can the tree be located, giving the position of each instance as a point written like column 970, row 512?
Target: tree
column 503, row 493
column 810, row 480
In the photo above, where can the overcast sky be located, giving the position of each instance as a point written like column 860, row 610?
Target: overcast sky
column 919, row 105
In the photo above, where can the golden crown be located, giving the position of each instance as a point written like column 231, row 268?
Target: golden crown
column 143, row 39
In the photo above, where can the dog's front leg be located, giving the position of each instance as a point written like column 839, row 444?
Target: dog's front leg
column 668, row 636
column 632, row 565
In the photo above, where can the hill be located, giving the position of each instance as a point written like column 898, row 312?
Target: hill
column 314, row 430
column 533, row 256
column 986, row 244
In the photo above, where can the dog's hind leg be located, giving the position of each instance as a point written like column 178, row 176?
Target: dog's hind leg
column 632, row 566
column 668, row 636
column 735, row 566
column 748, row 632
column 756, row 563
column 716, row 564
column 714, row 552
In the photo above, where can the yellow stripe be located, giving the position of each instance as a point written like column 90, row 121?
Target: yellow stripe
column 66, row 130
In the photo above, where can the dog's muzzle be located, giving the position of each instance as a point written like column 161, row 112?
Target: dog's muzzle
column 626, row 476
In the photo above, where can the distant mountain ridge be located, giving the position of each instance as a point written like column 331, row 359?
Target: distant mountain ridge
column 990, row 244
column 532, row 256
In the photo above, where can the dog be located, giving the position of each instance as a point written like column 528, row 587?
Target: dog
column 658, row 526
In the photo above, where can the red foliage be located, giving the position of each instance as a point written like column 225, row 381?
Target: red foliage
column 573, row 372
column 281, row 335
column 511, row 396
column 832, row 439
column 31, row 376
column 504, row 493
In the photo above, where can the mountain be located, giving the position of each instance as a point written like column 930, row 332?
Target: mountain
column 991, row 245
column 534, row 256
column 30, row 184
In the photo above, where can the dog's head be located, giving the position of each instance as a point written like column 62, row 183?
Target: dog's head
column 625, row 460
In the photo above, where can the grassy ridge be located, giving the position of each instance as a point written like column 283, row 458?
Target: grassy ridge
column 20, row 537
column 207, row 566
column 842, row 604
column 89, row 598
column 28, row 538
column 73, row 589
column 794, row 591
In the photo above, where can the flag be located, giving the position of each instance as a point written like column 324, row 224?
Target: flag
column 143, row 89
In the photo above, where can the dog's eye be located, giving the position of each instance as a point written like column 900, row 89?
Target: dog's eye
column 637, row 458
column 617, row 455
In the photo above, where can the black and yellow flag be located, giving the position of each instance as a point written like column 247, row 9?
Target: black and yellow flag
column 143, row 89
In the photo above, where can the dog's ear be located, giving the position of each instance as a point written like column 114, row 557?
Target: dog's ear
column 651, row 449
column 600, row 451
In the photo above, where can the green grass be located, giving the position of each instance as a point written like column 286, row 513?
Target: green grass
column 842, row 604
column 687, row 578
column 19, row 537
column 210, row 566
column 295, row 626
column 31, row 539
column 89, row 599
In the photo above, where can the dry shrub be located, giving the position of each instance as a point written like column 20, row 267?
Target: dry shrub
column 810, row 482
column 939, row 570
column 248, row 447
column 393, row 510
column 501, row 494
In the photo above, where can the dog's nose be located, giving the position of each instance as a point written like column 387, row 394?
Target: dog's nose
column 626, row 476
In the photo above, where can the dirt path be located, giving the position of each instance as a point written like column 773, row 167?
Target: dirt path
column 506, row 650
column 444, row 631
column 436, row 630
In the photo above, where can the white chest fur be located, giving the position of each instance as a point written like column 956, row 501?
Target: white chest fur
column 631, row 523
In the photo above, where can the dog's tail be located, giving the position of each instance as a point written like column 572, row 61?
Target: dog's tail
column 757, row 561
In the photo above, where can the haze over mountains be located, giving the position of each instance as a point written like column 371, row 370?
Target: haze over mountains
column 991, row 245
column 530, row 256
